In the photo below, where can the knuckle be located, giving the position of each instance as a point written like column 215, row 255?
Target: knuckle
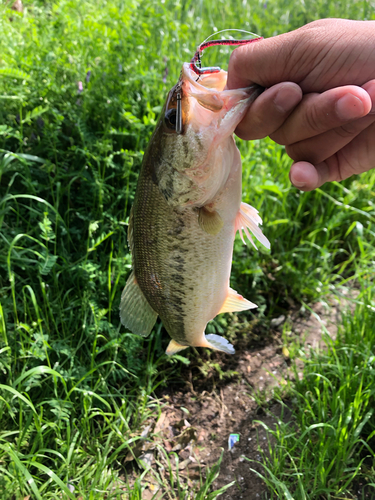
column 236, row 62
column 279, row 136
column 291, row 152
column 347, row 130
column 300, row 152
column 314, row 120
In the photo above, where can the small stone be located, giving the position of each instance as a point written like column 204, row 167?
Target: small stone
column 277, row 321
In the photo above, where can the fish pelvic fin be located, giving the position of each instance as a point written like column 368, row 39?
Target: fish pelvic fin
column 135, row 312
column 248, row 218
column 235, row 302
column 218, row 343
column 174, row 347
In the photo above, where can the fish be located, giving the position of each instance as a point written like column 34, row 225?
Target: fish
column 186, row 212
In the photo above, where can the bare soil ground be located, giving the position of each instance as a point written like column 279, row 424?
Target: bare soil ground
column 197, row 420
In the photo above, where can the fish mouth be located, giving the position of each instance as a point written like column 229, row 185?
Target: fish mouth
column 204, row 100
column 215, row 83
column 207, row 102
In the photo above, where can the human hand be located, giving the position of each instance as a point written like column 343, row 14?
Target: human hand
column 333, row 130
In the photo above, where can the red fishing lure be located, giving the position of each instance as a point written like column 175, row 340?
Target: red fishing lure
column 195, row 63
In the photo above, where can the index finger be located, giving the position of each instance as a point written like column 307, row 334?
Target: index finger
column 250, row 64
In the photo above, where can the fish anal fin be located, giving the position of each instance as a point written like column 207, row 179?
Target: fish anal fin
column 235, row 302
column 135, row 312
column 218, row 343
column 248, row 218
column 210, row 222
column 174, row 347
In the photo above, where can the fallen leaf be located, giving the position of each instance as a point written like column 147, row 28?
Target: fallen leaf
column 167, row 445
column 146, row 459
column 162, row 423
column 286, row 352
column 184, row 464
column 140, row 446
column 184, row 438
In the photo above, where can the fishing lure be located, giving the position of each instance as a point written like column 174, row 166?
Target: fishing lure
column 196, row 65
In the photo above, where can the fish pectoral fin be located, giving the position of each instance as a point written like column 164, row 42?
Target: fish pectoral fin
column 218, row 343
column 174, row 347
column 248, row 218
column 235, row 302
column 135, row 312
column 210, row 222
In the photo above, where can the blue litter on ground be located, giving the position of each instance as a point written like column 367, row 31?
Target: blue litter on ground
column 232, row 440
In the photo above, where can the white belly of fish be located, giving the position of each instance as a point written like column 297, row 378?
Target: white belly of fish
column 211, row 261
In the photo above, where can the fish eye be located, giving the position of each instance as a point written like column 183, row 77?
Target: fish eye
column 170, row 118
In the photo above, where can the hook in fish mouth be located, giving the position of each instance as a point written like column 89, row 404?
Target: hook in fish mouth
column 196, row 67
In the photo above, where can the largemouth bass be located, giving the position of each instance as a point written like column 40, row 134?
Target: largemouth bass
column 186, row 212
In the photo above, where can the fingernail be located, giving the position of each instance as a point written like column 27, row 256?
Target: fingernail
column 298, row 184
column 349, row 107
column 287, row 98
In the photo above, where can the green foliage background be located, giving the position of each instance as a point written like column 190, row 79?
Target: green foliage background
column 75, row 386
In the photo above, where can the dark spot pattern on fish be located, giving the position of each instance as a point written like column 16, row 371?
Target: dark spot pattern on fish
column 175, row 231
column 160, row 241
column 167, row 193
column 179, row 259
column 177, row 278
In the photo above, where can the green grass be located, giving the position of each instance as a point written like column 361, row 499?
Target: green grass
column 327, row 450
column 76, row 389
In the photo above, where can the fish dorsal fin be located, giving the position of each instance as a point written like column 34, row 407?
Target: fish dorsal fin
column 130, row 232
column 135, row 312
column 219, row 343
column 248, row 218
column 235, row 302
column 210, row 222
column 174, row 347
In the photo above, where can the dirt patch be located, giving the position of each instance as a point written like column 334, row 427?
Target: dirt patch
column 197, row 420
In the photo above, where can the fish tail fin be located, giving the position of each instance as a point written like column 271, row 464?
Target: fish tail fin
column 218, row 343
column 248, row 218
